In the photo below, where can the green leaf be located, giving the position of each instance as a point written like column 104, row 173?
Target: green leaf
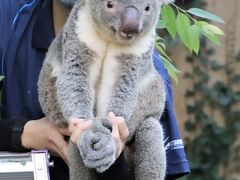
column 161, row 50
column 183, row 25
column 214, row 29
column 204, row 28
column 194, row 34
column 1, row 78
column 172, row 71
column 169, row 17
column 161, row 24
column 204, row 14
column 213, row 37
column 167, row 62
column 162, row 45
column 158, row 38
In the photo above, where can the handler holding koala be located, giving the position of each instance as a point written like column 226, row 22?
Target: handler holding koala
column 26, row 31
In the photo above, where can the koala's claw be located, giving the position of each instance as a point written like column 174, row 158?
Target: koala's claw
column 97, row 148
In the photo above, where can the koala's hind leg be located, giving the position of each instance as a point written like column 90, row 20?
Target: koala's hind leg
column 77, row 170
column 149, row 156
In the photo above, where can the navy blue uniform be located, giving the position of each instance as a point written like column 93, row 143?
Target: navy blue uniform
column 26, row 31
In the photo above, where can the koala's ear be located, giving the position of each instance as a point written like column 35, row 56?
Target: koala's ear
column 168, row 1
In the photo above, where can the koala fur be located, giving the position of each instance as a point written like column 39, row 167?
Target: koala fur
column 102, row 62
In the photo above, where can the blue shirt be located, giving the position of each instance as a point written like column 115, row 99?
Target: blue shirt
column 25, row 35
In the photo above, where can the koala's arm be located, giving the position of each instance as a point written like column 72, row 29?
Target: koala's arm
column 73, row 89
column 124, row 96
column 139, row 93
column 136, row 103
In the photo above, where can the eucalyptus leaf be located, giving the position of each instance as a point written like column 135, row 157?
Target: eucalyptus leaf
column 169, row 18
column 213, row 37
column 214, row 29
column 183, row 26
column 172, row 71
column 206, row 31
column 162, row 45
column 158, row 38
column 161, row 24
column 161, row 51
column 194, row 38
column 167, row 62
column 205, row 14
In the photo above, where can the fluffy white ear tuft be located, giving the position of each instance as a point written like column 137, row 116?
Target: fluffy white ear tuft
column 168, row 1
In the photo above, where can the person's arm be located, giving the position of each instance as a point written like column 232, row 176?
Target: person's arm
column 42, row 134
column 35, row 134
column 10, row 135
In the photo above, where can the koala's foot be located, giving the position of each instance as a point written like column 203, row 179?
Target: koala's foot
column 97, row 146
column 149, row 157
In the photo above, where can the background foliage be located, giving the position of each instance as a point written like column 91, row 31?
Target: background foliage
column 212, row 147
column 213, row 150
column 182, row 23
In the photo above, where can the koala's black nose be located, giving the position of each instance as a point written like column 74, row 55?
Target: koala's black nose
column 130, row 22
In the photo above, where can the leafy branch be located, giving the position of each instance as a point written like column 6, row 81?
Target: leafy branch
column 181, row 23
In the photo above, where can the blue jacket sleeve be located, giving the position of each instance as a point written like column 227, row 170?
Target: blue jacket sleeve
column 177, row 164
column 10, row 130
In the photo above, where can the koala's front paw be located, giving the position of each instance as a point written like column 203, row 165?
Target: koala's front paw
column 97, row 148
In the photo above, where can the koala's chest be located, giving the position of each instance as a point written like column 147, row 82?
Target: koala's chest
column 103, row 74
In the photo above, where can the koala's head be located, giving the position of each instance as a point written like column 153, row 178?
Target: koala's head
column 124, row 21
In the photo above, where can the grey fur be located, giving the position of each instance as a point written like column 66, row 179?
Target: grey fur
column 65, row 92
column 148, row 142
column 97, row 147
column 77, row 168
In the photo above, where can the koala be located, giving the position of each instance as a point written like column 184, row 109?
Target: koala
column 101, row 62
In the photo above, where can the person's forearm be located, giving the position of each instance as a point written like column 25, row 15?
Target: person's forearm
column 10, row 135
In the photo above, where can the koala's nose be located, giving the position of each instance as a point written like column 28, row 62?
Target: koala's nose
column 130, row 22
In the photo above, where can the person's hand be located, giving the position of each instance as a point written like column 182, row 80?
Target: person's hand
column 76, row 127
column 42, row 134
column 120, row 132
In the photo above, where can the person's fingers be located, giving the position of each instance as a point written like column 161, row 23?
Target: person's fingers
column 73, row 123
column 64, row 131
column 123, row 129
column 115, row 132
column 60, row 146
column 111, row 115
column 59, row 153
column 79, row 128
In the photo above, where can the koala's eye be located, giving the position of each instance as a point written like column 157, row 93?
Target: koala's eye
column 109, row 4
column 147, row 8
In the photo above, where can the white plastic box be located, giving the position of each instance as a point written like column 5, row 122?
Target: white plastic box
column 24, row 166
